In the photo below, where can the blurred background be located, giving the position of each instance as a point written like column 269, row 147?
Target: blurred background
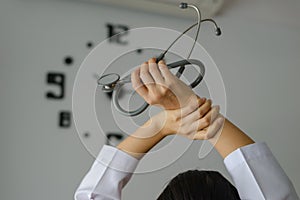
column 44, row 42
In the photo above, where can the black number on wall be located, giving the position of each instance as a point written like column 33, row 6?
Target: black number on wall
column 64, row 119
column 58, row 80
column 115, row 33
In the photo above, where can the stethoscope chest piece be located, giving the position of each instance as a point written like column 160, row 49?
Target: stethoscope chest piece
column 108, row 82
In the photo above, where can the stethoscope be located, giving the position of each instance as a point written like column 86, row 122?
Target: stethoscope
column 111, row 83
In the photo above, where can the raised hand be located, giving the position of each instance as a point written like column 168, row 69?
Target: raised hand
column 158, row 86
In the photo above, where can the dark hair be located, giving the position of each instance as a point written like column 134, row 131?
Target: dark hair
column 199, row 185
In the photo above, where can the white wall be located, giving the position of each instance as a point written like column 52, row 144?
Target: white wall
column 258, row 56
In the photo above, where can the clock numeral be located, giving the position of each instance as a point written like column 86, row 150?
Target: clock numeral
column 57, row 79
column 109, row 136
column 115, row 32
column 64, row 119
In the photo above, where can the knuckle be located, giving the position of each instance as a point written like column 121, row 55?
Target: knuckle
column 216, row 109
column 211, row 134
column 187, row 133
column 192, row 106
column 206, row 122
column 162, row 65
column 209, row 101
column 144, row 66
column 164, row 91
column 149, row 100
column 201, row 112
column 151, row 70
column 169, row 84
column 152, row 60
column 176, row 117
column 156, row 97
column 205, row 136
column 170, row 81
column 181, row 124
column 178, row 121
column 152, row 67
column 143, row 74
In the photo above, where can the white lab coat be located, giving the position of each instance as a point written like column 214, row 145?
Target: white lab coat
column 255, row 172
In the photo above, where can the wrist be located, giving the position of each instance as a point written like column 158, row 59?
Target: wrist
column 143, row 139
column 155, row 126
column 165, row 122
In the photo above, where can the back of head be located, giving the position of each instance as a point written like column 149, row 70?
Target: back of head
column 199, row 185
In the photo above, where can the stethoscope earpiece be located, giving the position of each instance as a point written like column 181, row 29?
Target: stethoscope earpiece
column 218, row 31
column 183, row 5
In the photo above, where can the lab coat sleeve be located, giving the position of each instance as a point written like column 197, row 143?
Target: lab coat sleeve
column 108, row 175
column 257, row 175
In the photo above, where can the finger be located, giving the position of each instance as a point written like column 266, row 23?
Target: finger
column 211, row 131
column 190, row 130
column 145, row 75
column 164, row 70
column 152, row 60
column 217, row 127
column 162, row 62
column 209, row 117
column 205, row 108
column 137, row 84
column 155, row 72
column 196, row 114
column 193, row 105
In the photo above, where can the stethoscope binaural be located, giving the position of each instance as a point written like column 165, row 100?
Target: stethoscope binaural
column 111, row 83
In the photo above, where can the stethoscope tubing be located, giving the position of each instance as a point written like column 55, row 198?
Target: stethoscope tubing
column 116, row 86
column 141, row 109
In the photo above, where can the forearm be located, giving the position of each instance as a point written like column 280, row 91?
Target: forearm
column 230, row 139
column 143, row 139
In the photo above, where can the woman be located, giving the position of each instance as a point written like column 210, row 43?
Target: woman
column 254, row 170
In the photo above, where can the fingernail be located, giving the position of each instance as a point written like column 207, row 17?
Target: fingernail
column 161, row 62
column 152, row 60
column 220, row 120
